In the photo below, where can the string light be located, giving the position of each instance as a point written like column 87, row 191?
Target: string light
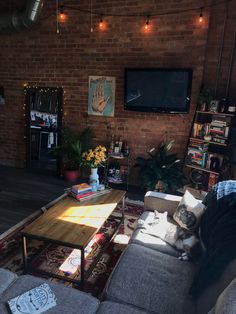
column 62, row 16
column 138, row 15
column 101, row 22
column 201, row 16
column 147, row 24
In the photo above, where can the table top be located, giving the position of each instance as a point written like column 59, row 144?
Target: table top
column 74, row 223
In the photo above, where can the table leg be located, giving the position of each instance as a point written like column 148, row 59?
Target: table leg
column 82, row 265
column 123, row 207
column 24, row 253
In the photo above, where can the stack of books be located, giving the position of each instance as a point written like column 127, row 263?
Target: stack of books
column 80, row 191
column 201, row 129
column 219, row 129
column 197, row 153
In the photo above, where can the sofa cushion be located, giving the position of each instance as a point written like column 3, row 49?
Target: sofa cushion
column 69, row 300
column 152, row 280
column 141, row 237
column 6, row 278
column 226, row 303
column 108, row 307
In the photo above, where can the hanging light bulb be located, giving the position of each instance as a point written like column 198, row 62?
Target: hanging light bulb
column 101, row 23
column 201, row 16
column 62, row 16
column 147, row 24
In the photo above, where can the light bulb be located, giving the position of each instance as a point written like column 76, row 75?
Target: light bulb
column 62, row 16
column 101, row 23
column 147, row 24
column 201, row 17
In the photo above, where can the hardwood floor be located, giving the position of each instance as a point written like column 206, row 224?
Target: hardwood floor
column 22, row 193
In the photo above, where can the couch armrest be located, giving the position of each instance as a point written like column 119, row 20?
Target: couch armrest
column 161, row 202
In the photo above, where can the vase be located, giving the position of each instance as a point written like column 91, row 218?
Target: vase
column 94, row 178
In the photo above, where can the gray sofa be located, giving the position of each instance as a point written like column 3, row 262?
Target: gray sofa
column 149, row 278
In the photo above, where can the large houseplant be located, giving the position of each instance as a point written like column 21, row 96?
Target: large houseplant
column 160, row 170
column 70, row 151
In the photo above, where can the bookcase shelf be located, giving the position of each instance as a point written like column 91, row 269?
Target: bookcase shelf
column 208, row 150
column 202, row 169
column 210, row 142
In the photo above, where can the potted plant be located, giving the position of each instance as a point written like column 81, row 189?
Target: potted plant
column 161, row 170
column 70, row 151
column 205, row 96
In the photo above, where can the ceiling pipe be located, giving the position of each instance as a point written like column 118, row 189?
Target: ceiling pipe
column 21, row 19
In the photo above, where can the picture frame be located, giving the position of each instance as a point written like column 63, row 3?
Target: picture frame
column 101, row 96
column 214, row 105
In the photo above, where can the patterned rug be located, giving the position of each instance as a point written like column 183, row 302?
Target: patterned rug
column 65, row 261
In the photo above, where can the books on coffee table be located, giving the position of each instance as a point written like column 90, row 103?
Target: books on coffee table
column 88, row 195
column 81, row 188
column 35, row 301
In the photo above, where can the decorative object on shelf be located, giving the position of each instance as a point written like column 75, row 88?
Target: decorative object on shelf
column 101, row 98
column 204, row 98
column 214, row 105
column 93, row 159
column 198, row 178
column 160, row 166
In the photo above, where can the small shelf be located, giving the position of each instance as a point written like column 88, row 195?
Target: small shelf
column 205, row 141
column 202, row 169
column 217, row 113
column 118, row 156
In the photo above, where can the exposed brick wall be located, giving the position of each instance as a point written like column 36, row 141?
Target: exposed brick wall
column 40, row 56
column 219, row 50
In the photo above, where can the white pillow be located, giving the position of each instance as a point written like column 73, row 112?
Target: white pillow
column 189, row 212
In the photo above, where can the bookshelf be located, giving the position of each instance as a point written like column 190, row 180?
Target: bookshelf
column 208, row 151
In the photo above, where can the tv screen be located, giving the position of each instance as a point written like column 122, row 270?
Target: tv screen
column 158, row 90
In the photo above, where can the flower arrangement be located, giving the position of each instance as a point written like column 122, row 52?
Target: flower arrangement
column 94, row 158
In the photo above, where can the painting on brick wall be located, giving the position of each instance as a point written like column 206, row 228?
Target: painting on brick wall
column 101, row 96
column 2, row 98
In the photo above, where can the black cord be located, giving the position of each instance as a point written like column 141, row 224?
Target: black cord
column 145, row 14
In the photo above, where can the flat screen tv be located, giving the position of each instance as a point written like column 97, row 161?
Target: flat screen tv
column 158, row 90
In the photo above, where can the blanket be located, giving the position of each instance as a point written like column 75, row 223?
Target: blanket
column 218, row 234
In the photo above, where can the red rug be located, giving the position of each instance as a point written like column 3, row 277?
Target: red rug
column 64, row 261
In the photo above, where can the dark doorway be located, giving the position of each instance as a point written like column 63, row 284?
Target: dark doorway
column 44, row 122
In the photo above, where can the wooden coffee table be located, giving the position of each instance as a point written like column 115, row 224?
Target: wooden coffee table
column 73, row 224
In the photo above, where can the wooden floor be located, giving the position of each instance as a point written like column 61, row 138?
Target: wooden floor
column 22, row 193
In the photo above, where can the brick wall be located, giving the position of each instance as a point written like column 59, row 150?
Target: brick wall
column 39, row 56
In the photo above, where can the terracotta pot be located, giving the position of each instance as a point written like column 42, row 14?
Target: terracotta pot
column 71, row 175
column 160, row 186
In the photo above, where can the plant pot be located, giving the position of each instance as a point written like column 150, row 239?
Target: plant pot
column 71, row 175
column 160, row 186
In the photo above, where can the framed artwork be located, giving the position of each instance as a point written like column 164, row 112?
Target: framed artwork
column 101, row 96
column 2, row 98
column 214, row 106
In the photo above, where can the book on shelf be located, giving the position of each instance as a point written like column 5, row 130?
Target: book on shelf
column 37, row 300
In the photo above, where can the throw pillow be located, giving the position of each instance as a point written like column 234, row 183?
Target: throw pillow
column 189, row 212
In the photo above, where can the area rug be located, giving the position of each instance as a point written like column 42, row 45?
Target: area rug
column 65, row 261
